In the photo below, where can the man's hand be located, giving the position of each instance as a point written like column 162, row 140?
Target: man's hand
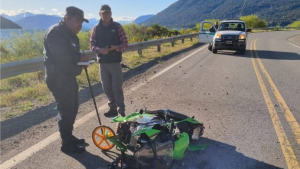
column 104, row 51
column 112, row 48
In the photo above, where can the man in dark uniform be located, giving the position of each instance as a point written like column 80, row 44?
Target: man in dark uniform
column 108, row 41
column 212, row 29
column 61, row 53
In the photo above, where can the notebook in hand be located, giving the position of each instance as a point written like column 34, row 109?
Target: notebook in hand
column 86, row 63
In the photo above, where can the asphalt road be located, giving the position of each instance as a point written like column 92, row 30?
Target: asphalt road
column 249, row 105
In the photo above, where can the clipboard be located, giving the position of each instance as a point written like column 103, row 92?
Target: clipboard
column 86, row 63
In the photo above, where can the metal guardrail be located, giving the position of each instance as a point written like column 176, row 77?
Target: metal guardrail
column 275, row 28
column 32, row 65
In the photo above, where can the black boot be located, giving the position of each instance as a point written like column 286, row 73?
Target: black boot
column 111, row 113
column 71, row 147
column 122, row 115
column 78, row 140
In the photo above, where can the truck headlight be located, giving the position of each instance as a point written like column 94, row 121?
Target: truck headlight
column 242, row 36
column 218, row 36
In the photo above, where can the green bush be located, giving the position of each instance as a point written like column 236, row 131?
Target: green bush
column 294, row 24
column 135, row 33
column 252, row 21
column 84, row 40
column 22, row 47
column 30, row 46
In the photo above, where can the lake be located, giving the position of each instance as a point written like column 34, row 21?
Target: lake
column 7, row 33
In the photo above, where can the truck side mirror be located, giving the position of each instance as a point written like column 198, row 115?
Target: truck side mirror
column 248, row 30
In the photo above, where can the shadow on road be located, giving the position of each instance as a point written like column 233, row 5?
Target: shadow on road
column 218, row 155
column 263, row 54
column 14, row 126
column 90, row 161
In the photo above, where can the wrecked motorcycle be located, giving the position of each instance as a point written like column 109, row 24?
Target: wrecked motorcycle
column 151, row 139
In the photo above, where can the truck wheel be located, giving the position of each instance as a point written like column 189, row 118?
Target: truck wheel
column 214, row 50
column 210, row 47
column 243, row 50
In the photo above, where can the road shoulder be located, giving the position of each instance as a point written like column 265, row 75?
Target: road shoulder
column 295, row 40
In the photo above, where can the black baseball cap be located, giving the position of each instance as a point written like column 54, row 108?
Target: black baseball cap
column 76, row 12
column 105, row 8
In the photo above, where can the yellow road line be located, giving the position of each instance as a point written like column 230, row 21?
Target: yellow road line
column 282, row 104
column 287, row 150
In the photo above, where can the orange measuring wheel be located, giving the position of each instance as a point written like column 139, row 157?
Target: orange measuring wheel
column 100, row 140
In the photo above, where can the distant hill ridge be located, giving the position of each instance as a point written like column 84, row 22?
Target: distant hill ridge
column 142, row 19
column 38, row 21
column 8, row 24
column 42, row 21
column 186, row 13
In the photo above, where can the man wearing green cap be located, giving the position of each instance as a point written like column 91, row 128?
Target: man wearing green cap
column 108, row 41
column 61, row 54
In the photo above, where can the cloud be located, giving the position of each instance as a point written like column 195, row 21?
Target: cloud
column 61, row 14
column 2, row 11
column 42, row 8
column 12, row 12
column 54, row 10
column 123, row 18
column 37, row 12
column 23, row 11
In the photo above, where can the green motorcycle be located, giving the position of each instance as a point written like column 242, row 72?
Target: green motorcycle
column 147, row 139
column 152, row 139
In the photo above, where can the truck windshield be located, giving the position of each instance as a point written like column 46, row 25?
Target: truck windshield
column 237, row 26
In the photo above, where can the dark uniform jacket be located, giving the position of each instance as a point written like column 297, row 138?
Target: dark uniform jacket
column 61, row 52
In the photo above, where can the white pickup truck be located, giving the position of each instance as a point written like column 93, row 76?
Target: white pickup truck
column 231, row 35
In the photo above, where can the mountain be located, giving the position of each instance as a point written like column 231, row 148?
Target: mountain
column 18, row 17
column 186, row 13
column 8, row 24
column 94, row 21
column 142, row 19
column 38, row 21
column 91, row 24
column 124, row 22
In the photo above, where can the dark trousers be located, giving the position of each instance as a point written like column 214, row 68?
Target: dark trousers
column 65, row 92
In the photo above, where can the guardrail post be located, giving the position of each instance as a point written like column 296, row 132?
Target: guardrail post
column 140, row 52
column 173, row 43
column 158, row 48
column 182, row 40
column 191, row 39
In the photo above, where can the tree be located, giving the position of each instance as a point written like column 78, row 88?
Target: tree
column 252, row 21
column 294, row 24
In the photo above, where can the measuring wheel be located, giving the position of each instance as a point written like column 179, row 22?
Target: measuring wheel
column 100, row 135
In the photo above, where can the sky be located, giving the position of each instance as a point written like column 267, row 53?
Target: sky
column 121, row 9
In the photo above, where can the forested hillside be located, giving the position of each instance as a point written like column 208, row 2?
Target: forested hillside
column 186, row 13
column 8, row 24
